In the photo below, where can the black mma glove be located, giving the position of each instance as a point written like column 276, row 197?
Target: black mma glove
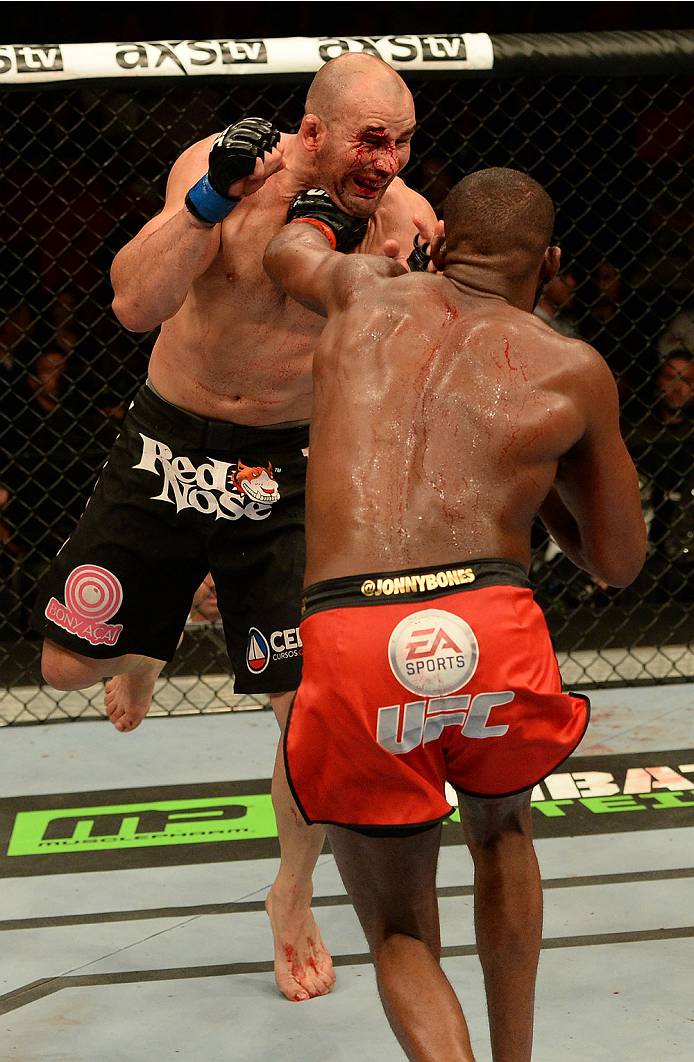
column 419, row 259
column 233, row 156
column 342, row 230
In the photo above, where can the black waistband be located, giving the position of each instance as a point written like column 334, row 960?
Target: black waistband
column 189, row 429
column 413, row 584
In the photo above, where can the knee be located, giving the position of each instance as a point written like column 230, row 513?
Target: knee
column 399, row 949
column 68, row 671
column 493, row 828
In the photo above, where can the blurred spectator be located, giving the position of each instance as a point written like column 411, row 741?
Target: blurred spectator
column 63, row 318
column 557, row 303
column 17, row 345
column 613, row 325
column 204, row 608
column 46, row 380
column 679, row 335
column 662, row 446
column 17, row 351
column 4, row 531
column 68, row 338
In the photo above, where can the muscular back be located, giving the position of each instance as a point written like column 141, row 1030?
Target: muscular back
column 438, row 424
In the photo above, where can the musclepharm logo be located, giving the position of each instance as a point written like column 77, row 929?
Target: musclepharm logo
column 102, row 828
column 215, row 488
column 433, row 653
column 92, row 596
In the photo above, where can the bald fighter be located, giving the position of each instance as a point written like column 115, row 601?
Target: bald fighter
column 446, row 416
column 208, row 474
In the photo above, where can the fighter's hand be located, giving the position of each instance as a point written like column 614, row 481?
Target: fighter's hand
column 270, row 163
column 242, row 157
column 418, row 259
column 316, row 207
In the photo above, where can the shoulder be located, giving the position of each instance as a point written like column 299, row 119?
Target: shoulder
column 194, row 160
column 400, row 196
column 394, row 217
column 589, row 381
column 578, row 353
column 400, row 199
column 359, row 277
column 565, row 365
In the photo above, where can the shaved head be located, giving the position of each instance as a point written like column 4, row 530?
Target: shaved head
column 351, row 75
column 357, row 128
column 499, row 212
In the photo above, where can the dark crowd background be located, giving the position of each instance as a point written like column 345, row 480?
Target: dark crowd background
column 84, row 165
column 82, row 23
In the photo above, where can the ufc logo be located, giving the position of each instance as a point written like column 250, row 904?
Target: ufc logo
column 401, row 728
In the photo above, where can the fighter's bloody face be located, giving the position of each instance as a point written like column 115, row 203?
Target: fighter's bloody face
column 363, row 150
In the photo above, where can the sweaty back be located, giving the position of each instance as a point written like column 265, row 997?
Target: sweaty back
column 438, row 421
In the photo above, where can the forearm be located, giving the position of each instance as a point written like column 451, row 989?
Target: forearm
column 562, row 527
column 614, row 551
column 294, row 259
column 152, row 274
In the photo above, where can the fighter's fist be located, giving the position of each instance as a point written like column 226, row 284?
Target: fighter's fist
column 316, row 207
column 237, row 153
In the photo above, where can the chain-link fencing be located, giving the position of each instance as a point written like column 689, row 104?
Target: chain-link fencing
column 85, row 164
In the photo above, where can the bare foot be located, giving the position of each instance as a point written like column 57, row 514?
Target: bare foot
column 303, row 967
column 128, row 697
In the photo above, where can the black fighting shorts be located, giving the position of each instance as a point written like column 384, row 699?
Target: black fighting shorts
column 180, row 496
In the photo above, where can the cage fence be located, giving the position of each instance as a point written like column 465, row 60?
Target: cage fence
column 85, row 165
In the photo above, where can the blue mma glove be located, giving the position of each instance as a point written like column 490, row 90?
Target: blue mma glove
column 232, row 157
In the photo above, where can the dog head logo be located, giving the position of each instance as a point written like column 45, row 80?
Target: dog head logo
column 258, row 483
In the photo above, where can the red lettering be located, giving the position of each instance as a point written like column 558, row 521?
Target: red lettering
column 417, row 647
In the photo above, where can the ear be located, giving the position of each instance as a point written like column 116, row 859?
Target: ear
column 312, row 132
column 550, row 264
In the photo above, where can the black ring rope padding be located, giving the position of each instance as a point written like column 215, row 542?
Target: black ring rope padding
column 613, row 53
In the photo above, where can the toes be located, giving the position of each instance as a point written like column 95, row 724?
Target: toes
column 301, row 983
column 291, row 988
column 322, row 978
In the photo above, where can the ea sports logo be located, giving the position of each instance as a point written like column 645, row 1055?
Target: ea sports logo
column 93, row 593
column 433, row 653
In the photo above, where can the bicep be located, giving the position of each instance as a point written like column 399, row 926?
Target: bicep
column 596, row 478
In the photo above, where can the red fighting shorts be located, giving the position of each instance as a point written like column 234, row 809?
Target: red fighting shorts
column 411, row 679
